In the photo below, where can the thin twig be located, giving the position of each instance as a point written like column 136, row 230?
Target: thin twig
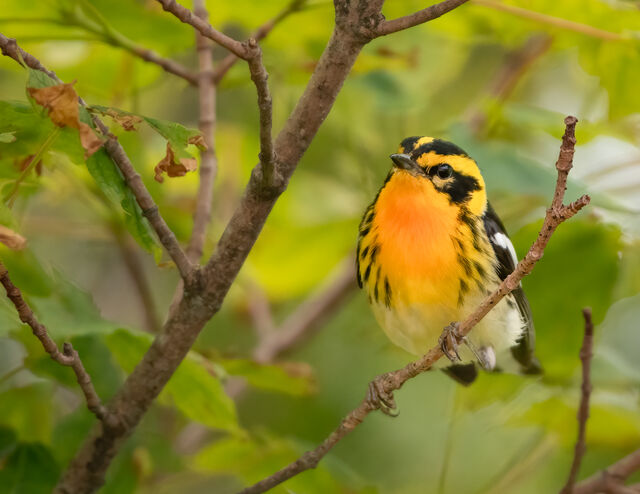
column 392, row 381
column 615, row 474
column 10, row 48
column 68, row 356
column 226, row 63
column 420, row 17
column 260, row 78
column 188, row 17
column 550, row 20
column 207, row 124
column 586, row 352
column 251, row 52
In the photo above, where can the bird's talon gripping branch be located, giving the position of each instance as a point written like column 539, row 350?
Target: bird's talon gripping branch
column 449, row 342
column 380, row 399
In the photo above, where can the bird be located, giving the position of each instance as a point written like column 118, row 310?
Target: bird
column 430, row 249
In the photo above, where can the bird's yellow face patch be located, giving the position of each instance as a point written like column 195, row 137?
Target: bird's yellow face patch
column 448, row 168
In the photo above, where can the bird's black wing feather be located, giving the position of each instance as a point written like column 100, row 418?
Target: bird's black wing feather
column 523, row 350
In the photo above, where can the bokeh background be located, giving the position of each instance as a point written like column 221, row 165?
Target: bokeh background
column 495, row 77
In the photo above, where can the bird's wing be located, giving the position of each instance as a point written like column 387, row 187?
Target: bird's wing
column 523, row 350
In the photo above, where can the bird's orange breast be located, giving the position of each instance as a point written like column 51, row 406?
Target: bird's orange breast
column 414, row 227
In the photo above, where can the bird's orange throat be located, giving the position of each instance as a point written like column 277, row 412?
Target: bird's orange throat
column 413, row 225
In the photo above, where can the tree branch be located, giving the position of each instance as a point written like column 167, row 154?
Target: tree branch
column 259, row 34
column 586, row 352
column 116, row 152
column 251, row 52
column 420, row 17
column 392, row 381
column 188, row 17
column 616, row 474
column 68, row 357
column 207, row 123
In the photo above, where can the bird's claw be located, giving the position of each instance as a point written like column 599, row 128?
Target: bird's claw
column 449, row 342
column 380, row 399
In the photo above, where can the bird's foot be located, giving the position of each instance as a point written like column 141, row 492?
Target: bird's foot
column 450, row 340
column 485, row 355
column 380, row 399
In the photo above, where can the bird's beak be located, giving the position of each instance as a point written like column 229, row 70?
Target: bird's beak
column 404, row 162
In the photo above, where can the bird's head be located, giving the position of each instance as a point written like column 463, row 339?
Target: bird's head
column 448, row 168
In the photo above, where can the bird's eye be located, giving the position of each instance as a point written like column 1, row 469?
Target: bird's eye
column 444, row 171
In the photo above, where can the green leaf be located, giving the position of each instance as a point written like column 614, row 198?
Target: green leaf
column 21, row 410
column 192, row 389
column 108, row 177
column 30, row 469
column 178, row 136
column 293, row 379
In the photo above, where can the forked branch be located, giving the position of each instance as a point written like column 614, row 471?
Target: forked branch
column 392, row 381
column 68, row 356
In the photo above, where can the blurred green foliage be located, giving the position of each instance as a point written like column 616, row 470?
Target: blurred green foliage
column 208, row 430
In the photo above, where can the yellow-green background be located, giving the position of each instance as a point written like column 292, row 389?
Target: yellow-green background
column 505, row 434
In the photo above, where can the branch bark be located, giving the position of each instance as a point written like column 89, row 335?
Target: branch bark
column 420, row 17
column 188, row 17
column 611, row 478
column 68, row 356
column 586, row 353
column 207, row 124
column 387, row 383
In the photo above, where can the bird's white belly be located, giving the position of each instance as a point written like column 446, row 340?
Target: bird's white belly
column 417, row 328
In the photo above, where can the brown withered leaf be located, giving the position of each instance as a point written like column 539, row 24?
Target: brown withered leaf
column 198, row 141
column 127, row 122
column 11, row 239
column 61, row 101
column 173, row 167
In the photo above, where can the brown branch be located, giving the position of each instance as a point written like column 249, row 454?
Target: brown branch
column 188, row 17
column 586, row 352
column 207, row 124
column 251, row 52
column 392, row 381
column 68, row 357
column 260, row 78
column 116, row 152
column 302, row 322
column 611, row 479
column 259, row 34
column 420, row 17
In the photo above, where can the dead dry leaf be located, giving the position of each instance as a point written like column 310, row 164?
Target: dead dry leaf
column 198, row 141
column 61, row 101
column 11, row 239
column 173, row 167
column 127, row 121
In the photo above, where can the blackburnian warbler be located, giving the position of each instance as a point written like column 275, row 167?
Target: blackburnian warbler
column 430, row 249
